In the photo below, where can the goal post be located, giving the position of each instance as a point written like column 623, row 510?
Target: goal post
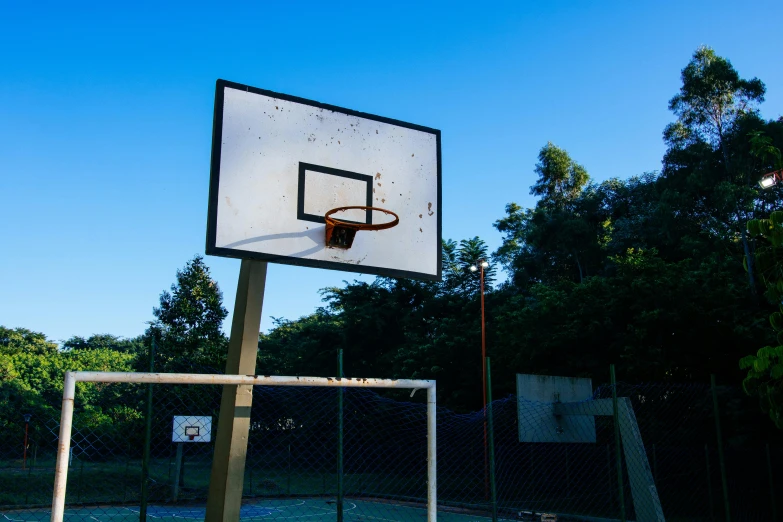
column 69, row 392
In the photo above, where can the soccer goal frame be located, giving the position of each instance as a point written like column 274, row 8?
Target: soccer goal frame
column 69, row 393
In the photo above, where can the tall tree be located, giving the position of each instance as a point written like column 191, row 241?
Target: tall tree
column 557, row 238
column 457, row 260
column 713, row 97
column 188, row 322
column 560, row 179
column 711, row 107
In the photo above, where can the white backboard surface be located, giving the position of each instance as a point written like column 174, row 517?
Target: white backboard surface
column 188, row 428
column 279, row 163
column 536, row 396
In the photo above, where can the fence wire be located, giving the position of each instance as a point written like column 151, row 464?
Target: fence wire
column 551, row 458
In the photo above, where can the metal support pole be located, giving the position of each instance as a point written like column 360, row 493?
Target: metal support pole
column 432, row 456
column 618, row 453
column 709, row 482
column 340, row 393
column 226, row 482
column 177, row 473
column 492, row 485
column 772, row 487
column 721, row 459
column 24, row 457
column 145, row 459
column 484, row 381
column 63, row 449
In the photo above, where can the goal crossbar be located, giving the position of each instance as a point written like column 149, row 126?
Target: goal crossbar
column 69, row 393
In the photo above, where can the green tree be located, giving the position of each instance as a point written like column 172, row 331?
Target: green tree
column 18, row 340
column 560, row 179
column 457, row 260
column 188, row 322
column 713, row 109
column 558, row 239
column 31, row 381
column 712, row 98
column 105, row 341
column 765, row 369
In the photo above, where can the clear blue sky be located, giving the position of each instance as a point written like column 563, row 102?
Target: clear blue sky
column 106, row 116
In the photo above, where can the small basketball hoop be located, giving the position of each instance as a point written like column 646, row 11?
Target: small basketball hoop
column 340, row 234
column 191, row 432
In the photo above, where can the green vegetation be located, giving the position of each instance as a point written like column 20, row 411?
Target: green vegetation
column 644, row 272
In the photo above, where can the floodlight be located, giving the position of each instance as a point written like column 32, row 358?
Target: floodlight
column 473, row 268
column 27, row 416
column 771, row 178
column 484, row 264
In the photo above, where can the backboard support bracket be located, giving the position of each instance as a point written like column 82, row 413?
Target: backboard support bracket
column 646, row 502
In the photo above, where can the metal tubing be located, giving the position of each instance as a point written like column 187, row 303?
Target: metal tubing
column 177, row 473
column 490, row 425
column 432, row 455
column 709, row 483
column 251, row 380
column 721, row 460
column 618, row 454
column 145, row 460
column 63, row 447
column 484, row 382
column 24, row 457
column 340, row 393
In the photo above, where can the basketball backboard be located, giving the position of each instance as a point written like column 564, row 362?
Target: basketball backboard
column 189, row 428
column 536, row 399
column 280, row 163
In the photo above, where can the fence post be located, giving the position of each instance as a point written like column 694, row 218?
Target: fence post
column 145, row 460
column 772, row 487
column 491, row 435
column 721, row 460
column 177, row 473
column 618, row 451
column 340, row 392
column 709, row 482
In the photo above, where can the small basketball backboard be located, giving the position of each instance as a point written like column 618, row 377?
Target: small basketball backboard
column 188, row 428
column 536, row 399
column 280, row 163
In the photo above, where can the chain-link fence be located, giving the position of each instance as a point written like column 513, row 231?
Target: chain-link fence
column 667, row 461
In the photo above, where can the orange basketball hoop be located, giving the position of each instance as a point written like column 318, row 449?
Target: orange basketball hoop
column 340, row 233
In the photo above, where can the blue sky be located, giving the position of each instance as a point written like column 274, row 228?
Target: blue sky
column 106, row 116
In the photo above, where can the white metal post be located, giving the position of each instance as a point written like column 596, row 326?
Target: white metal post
column 432, row 456
column 63, row 447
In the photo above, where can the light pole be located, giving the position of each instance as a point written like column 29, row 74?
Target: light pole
column 27, row 417
column 482, row 264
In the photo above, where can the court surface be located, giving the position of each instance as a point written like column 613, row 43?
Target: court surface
column 311, row 509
